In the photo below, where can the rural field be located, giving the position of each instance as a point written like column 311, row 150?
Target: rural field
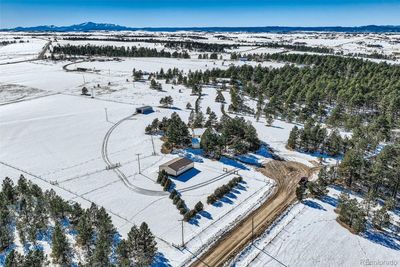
column 71, row 121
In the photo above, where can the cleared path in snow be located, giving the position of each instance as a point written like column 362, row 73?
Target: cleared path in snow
column 115, row 168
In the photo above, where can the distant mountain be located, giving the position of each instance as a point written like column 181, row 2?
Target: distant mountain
column 91, row 26
column 85, row 27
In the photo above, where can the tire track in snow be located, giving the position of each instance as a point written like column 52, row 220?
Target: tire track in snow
column 115, row 168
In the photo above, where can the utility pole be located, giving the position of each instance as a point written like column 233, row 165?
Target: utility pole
column 183, row 240
column 138, row 158
column 105, row 109
column 152, row 142
column 252, row 230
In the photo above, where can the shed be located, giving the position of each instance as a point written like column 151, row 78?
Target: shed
column 195, row 142
column 144, row 110
column 177, row 166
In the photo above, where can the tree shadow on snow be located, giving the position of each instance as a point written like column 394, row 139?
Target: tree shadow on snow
column 313, row 204
column 226, row 200
column 383, row 238
column 233, row 163
column 330, row 200
column 206, row 214
column 160, row 261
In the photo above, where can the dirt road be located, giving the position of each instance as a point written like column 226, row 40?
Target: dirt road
column 287, row 175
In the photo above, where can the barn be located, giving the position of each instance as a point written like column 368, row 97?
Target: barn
column 144, row 110
column 177, row 166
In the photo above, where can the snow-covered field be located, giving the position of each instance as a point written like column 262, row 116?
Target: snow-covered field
column 30, row 49
column 56, row 140
column 53, row 135
column 309, row 235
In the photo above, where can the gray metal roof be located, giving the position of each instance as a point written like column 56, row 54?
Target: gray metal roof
column 178, row 163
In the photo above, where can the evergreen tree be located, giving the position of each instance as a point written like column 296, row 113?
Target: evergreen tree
column 293, row 136
column 381, row 218
column 199, row 206
column 60, row 247
column 8, row 191
column 177, row 132
column 34, row 258
column 6, row 230
column 220, row 97
column 123, row 254
column 211, row 143
column 14, row 259
column 85, row 232
column 142, row 246
column 300, row 191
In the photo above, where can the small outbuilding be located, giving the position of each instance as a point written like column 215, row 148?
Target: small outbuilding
column 144, row 110
column 196, row 142
column 177, row 166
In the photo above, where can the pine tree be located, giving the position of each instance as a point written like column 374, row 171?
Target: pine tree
column 293, row 136
column 60, row 247
column 300, row 191
column 14, row 259
column 350, row 167
column 123, row 254
column 141, row 245
column 84, row 231
column 198, row 120
column 199, row 206
column 220, row 97
column 381, row 218
column 270, row 120
column 6, row 230
column 8, row 191
column 147, row 246
column 35, row 258
column 177, row 131
column 211, row 143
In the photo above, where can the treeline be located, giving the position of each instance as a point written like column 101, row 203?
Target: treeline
column 231, row 136
column 221, row 191
column 175, row 131
column 115, row 51
column 298, row 47
column 376, row 173
column 177, row 200
column 373, row 55
column 315, row 139
column 354, row 214
column 199, row 46
column 35, row 215
column 343, row 92
column 184, row 45
column 4, row 43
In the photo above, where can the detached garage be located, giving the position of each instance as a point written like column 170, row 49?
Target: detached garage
column 177, row 166
column 144, row 110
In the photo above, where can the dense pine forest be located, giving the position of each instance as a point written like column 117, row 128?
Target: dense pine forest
column 174, row 44
column 325, row 94
column 31, row 217
column 342, row 92
column 115, row 51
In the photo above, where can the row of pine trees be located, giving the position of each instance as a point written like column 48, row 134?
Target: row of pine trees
column 86, row 237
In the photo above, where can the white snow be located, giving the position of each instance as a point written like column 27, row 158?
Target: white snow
column 309, row 235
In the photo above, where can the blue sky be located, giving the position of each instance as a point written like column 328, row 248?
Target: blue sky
column 175, row 13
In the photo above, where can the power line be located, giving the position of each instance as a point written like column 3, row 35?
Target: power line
column 278, row 261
